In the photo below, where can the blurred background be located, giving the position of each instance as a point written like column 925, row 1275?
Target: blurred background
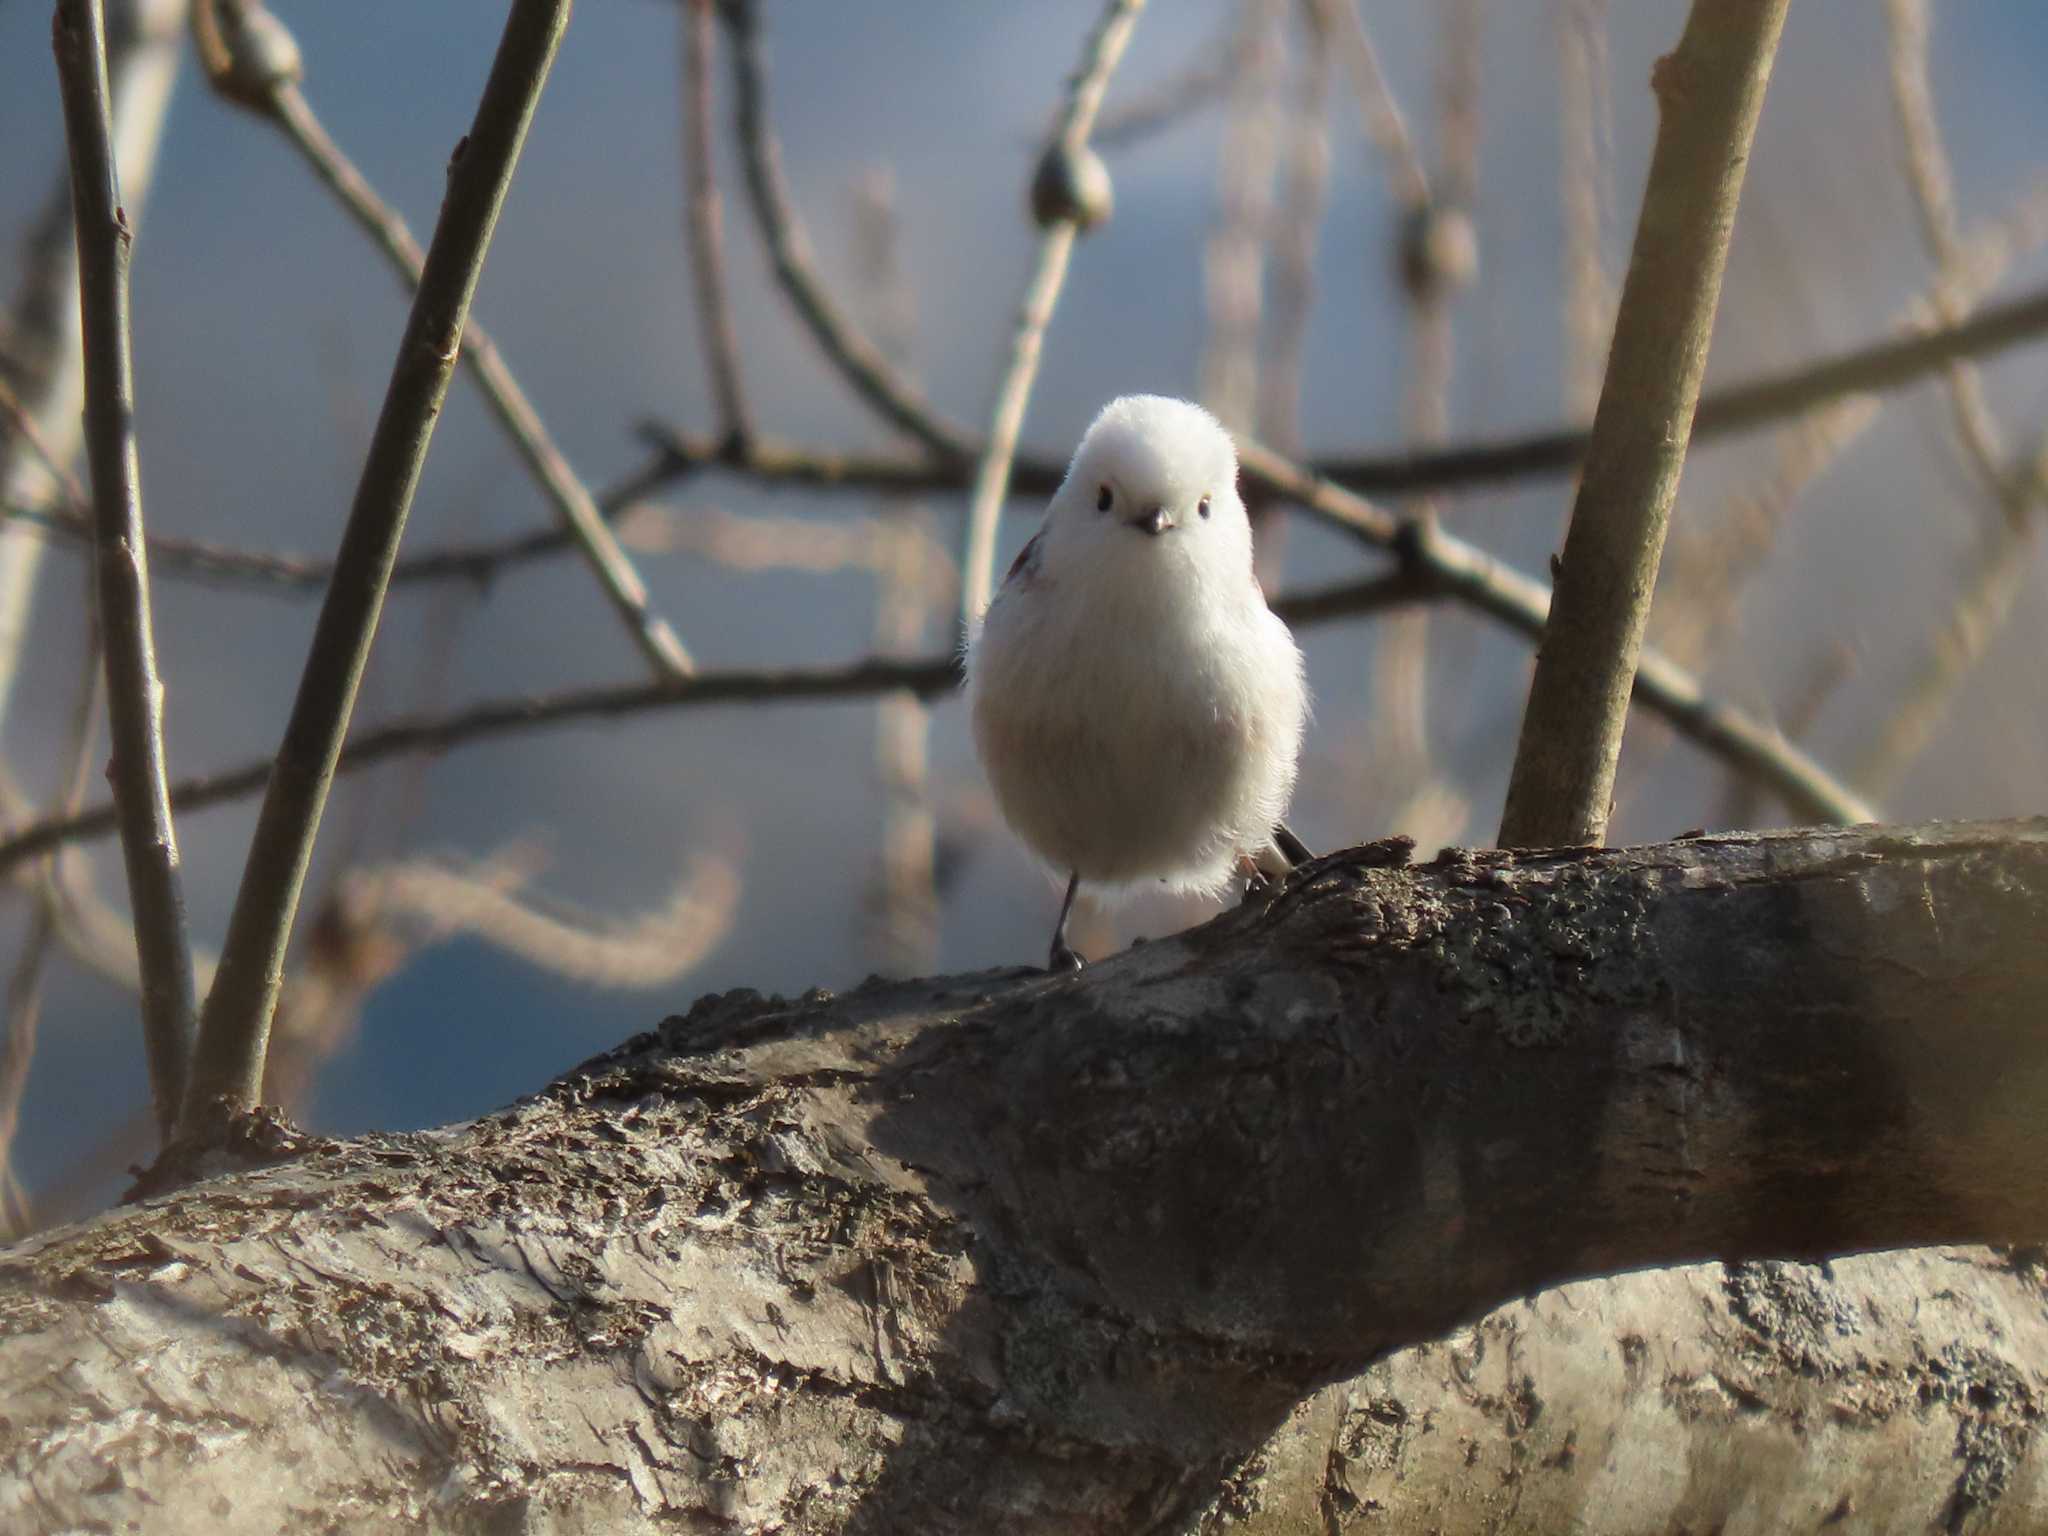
column 1348, row 227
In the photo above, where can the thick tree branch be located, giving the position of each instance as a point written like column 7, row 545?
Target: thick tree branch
column 1092, row 1238
column 135, row 694
column 227, row 1067
column 1710, row 92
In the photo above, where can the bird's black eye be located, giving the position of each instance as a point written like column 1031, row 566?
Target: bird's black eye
column 1202, row 506
column 1104, row 499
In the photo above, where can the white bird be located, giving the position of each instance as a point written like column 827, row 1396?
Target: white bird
column 1136, row 705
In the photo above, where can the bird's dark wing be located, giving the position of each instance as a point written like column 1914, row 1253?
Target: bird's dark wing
column 1024, row 569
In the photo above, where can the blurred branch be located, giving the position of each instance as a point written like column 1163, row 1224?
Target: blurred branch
column 135, row 694
column 1069, row 193
column 858, row 360
column 913, row 577
column 1234, row 255
column 1585, row 174
column 1927, row 171
column 1445, row 567
column 1378, row 112
column 1193, row 88
column 1709, row 559
column 707, row 223
column 260, row 69
column 1953, row 653
column 44, row 366
column 1890, row 363
column 228, row 1064
column 1710, row 92
column 1433, row 566
column 24, row 1001
column 647, row 950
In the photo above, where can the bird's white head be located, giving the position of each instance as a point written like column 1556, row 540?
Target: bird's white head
column 1151, row 497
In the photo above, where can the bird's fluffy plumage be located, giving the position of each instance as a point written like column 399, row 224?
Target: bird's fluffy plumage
column 1137, row 706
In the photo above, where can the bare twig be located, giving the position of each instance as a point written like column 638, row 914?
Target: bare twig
column 1193, row 88
column 1892, row 363
column 912, row 577
column 646, row 950
column 1448, row 568
column 144, row 43
column 1584, row 173
column 707, row 223
column 1711, row 91
column 228, row 1064
column 1927, row 171
column 149, row 845
column 1434, row 566
column 1704, row 568
column 1379, row 113
column 1974, row 622
column 1883, row 365
column 25, row 986
column 508, row 402
column 1234, row 257
column 1067, row 161
column 253, row 61
column 858, row 360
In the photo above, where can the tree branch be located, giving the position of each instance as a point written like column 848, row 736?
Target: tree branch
column 859, row 361
column 1096, row 1238
column 1064, row 205
column 257, row 65
column 228, row 1064
column 135, row 694
column 706, row 224
column 1710, row 92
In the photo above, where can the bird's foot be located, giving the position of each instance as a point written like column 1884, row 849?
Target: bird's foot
column 1063, row 961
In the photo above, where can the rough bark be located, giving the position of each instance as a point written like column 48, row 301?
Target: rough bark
column 1009, row 1252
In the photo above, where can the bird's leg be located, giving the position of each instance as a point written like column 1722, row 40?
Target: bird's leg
column 1266, row 869
column 1063, row 958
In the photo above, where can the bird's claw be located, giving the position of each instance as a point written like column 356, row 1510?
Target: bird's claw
column 1064, row 961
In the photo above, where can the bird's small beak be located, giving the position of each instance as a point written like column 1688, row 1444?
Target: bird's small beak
column 1158, row 520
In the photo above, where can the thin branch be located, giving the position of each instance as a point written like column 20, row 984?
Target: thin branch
column 1068, row 164
column 648, row 949
column 1379, row 114
column 253, row 61
column 1434, row 566
column 1195, row 87
column 706, row 223
column 1585, row 173
column 1927, row 172
column 24, row 1002
column 508, row 402
column 1892, row 363
column 135, row 695
column 228, row 1064
column 1706, row 565
column 1460, row 572
column 144, row 44
column 1234, row 255
column 1889, row 364
column 1711, row 92
column 857, row 358
column 1974, row 622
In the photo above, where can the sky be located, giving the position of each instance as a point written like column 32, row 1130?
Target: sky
column 264, row 327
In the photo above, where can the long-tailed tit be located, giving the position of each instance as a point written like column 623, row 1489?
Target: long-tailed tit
column 1137, row 706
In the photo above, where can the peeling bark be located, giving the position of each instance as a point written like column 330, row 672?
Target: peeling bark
column 1010, row 1253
